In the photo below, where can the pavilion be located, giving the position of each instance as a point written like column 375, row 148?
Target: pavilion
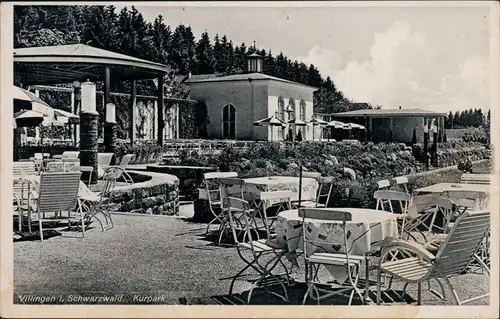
column 78, row 63
column 394, row 125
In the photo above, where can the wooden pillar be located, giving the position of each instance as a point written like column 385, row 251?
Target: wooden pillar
column 155, row 120
column 132, row 129
column 161, row 122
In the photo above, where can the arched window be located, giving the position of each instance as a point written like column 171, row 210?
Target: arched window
column 229, row 122
column 291, row 108
column 302, row 116
column 281, row 109
column 302, row 111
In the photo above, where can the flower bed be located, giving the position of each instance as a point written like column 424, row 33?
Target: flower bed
column 156, row 194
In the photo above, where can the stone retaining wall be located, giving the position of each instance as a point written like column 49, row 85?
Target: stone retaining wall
column 159, row 195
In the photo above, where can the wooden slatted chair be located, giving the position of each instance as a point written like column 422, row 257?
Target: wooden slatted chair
column 58, row 192
column 475, row 179
column 240, row 219
column 24, row 198
column 314, row 260
column 457, row 251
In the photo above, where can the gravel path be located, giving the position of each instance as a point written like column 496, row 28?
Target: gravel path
column 155, row 256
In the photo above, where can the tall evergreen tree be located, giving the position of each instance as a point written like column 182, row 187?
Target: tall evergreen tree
column 205, row 61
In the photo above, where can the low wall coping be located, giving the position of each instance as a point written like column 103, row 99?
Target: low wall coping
column 156, row 179
column 200, row 168
column 437, row 170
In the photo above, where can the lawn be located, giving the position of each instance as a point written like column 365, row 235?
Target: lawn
column 164, row 258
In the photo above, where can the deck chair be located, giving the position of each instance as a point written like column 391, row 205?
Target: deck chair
column 402, row 183
column 68, row 154
column 283, row 203
column 322, row 194
column 454, row 255
column 103, row 162
column 387, row 196
column 240, row 220
column 94, row 204
column 213, row 189
column 58, row 193
column 314, row 260
column 475, row 179
column 126, row 160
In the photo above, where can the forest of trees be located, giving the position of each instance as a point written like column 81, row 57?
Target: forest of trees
column 468, row 118
column 127, row 32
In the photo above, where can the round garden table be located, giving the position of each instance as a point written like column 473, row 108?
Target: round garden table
column 368, row 226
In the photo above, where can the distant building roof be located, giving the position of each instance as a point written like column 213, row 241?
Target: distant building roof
column 388, row 112
column 244, row 77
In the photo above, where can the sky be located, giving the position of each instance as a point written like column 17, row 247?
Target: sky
column 435, row 58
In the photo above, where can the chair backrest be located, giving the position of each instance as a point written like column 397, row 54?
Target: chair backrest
column 70, row 154
column 456, row 252
column 58, row 191
column 226, row 183
column 383, row 196
column 71, row 164
column 402, row 181
column 314, row 175
column 475, row 179
column 214, row 175
column 465, row 194
column 104, row 159
column 24, row 168
column 126, row 159
column 421, row 203
column 384, row 184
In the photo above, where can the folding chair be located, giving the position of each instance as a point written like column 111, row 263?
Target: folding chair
column 387, row 196
column 467, row 199
column 282, row 200
column 58, row 193
column 214, row 188
column 454, row 255
column 314, row 260
column 94, row 203
column 384, row 184
column 322, row 194
column 240, row 220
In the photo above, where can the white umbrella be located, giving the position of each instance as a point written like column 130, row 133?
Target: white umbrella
column 316, row 122
column 354, row 125
column 66, row 117
column 37, row 104
column 270, row 121
column 338, row 124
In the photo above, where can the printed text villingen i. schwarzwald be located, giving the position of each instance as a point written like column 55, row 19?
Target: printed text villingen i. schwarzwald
column 136, row 298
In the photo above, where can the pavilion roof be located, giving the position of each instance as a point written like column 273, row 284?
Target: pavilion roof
column 67, row 63
column 388, row 113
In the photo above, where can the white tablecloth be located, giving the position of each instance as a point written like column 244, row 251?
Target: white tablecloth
column 445, row 187
column 367, row 227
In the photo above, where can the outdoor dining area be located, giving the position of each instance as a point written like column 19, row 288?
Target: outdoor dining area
column 281, row 223
column 44, row 188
